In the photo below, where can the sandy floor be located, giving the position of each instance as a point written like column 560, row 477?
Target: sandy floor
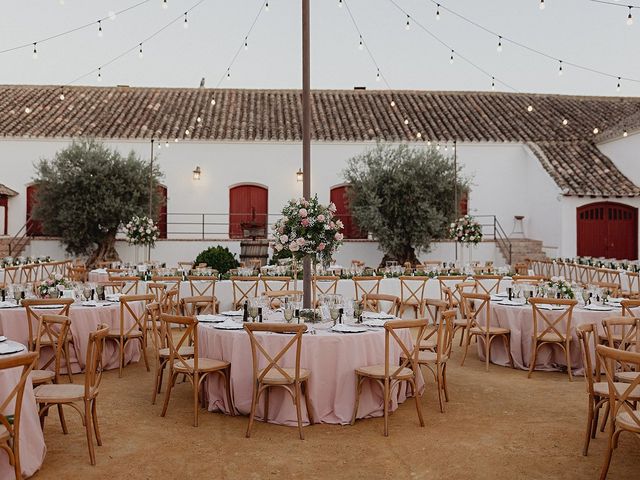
column 497, row 425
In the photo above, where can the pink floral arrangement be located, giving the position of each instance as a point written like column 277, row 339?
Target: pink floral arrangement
column 466, row 230
column 308, row 228
column 52, row 286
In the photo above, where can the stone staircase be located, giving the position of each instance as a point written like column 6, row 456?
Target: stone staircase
column 4, row 247
column 522, row 249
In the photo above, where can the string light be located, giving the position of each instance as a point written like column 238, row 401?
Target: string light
column 266, row 6
column 378, row 76
column 541, row 5
column 165, row 4
column 100, row 28
column 418, row 135
column 560, row 68
column 437, row 11
column 61, row 96
column 99, row 74
column 340, row 3
column 140, row 54
column 499, row 44
column 246, row 43
column 625, row 133
column 228, row 74
column 175, row 140
column 565, row 122
column 618, row 86
column 408, row 25
column 595, row 131
column 213, row 101
column 35, row 51
column 361, row 44
column 493, row 83
column 428, row 143
column 186, row 22
column 630, row 17
column 199, row 119
column 530, row 108
column 27, row 110
column 451, row 57
column 186, row 132
column 406, row 121
column 166, row 144
column 393, row 104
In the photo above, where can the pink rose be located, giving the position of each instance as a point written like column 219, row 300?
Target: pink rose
column 321, row 218
column 303, row 212
column 284, row 238
column 332, row 225
column 305, row 222
column 338, row 236
column 294, row 247
column 321, row 246
column 301, row 241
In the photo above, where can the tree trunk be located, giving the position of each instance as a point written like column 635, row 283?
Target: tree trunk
column 104, row 252
column 407, row 255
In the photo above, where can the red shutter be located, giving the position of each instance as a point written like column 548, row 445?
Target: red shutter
column 162, row 212
column 247, row 204
column 607, row 229
column 339, row 197
column 34, row 228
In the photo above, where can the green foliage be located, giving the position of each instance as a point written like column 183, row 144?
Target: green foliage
column 87, row 191
column 279, row 255
column 404, row 196
column 219, row 258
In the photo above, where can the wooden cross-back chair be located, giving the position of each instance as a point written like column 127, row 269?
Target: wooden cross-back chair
column 628, row 306
column 11, row 275
column 436, row 359
column 244, row 288
column 324, row 285
column 126, row 285
column 135, row 330
column 72, row 395
column 186, row 266
column 623, row 333
column 561, row 269
column 158, row 290
column 433, row 308
column 582, row 274
column 489, row 284
column 183, row 361
column 474, row 304
column 450, row 282
column 197, row 305
column 612, row 288
column 34, row 318
column 275, row 296
column 366, row 285
column 521, row 268
column 47, row 269
column 534, row 279
column 53, row 333
column 551, row 328
column 381, row 303
column 623, row 413
column 27, row 274
column 295, row 381
column 10, row 422
column 634, row 286
column 172, row 282
column 78, row 274
column 572, row 272
column 204, row 286
column 271, row 284
column 412, row 294
column 392, row 373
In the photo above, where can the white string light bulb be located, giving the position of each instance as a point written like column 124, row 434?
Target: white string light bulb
column 625, row 133
column 499, row 44
column 166, row 144
column 186, row 132
column 565, row 122
column 393, row 104
column 35, row 51
column 541, row 5
column 361, row 44
column 408, row 24
column 100, row 28
column 618, row 86
column 530, row 108
column 493, row 83
column 437, row 11
column 378, row 75
column 165, row 4
column 266, row 6
column 140, row 54
column 185, row 24
column 228, row 74
column 595, row 131
column 61, row 96
column 199, row 119
column 418, row 135
column 213, row 101
column 560, row 71
column 406, row 121
column 340, row 3
column 99, row 74
column 630, row 17
column 246, row 43
column 27, row 110
column 451, row 57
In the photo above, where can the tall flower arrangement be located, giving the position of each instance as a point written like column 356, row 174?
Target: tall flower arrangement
column 308, row 228
column 466, row 230
column 141, row 231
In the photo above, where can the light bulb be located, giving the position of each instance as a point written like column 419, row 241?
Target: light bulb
column 618, row 86
column 159, row 146
column 246, row 44
column 560, row 71
column 27, row 110
column 100, row 74
column 35, row 52
column 451, row 57
column 198, row 119
column 438, row 11
column 499, row 44
column 393, row 104
column 213, row 101
column 228, row 74
column 565, row 121
column 408, row 25
column 629, row 18
column 100, row 28
column 428, row 143
column 165, row 4
column 378, row 76
column 406, row 121
column 530, row 108
column 186, row 132
column 61, row 97
column 340, row 3
column 595, row 131
column 166, row 144
column 541, row 5
column 175, row 140
column 418, row 135
column 625, row 133
column 266, row 6
column 185, row 24
column 140, row 54
column 493, row 83
column 360, row 45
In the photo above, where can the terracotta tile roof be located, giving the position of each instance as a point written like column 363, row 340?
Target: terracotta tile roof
column 337, row 115
column 9, row 192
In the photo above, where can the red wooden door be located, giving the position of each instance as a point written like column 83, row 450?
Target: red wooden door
column 607, row 229
column 338, row 196
column 162, row 212
column 34, row 228
column 248, row 207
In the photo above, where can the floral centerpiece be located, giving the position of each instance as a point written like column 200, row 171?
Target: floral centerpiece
column 466, row 230
column 52, row 286
column 141, row 231
column 561, row 287
column 308, row 228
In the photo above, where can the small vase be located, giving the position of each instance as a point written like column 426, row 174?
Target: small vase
column 137, row 253
column 462, row 256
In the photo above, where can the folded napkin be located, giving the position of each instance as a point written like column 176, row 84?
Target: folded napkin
column 211, row 318
column 89, row 303
column 99, row 270
column 544, row 306
column 598, row 308
column 381, row 315
column 8, row 304
column 113, row 297
column 511, row 303
column 502, row 294
column 374, row 322
column 228, row 325
column 615, row 299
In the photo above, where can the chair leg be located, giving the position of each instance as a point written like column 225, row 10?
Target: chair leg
column 418, row 399
column 387, row 398
column 440, row 386
column 357, row 403
column 534, row 355
column 227, row 386
column 196, row 390
column 158, row 384
column 506, row 339
column 594, row 426
column 464, row 330
column 444, row 383
column 590, row 418
column 307, row 401
column 487, row 352
column 567, row 352
column 63, row 422
column 608, row 452
column 120, row 356
column 299, row 409
column 254, row 402
column 605, row 416
column 172, row 379
column 89, row 428
column 144, row 353
column 94, row 415
column 67, row 357
column 466, row 348
column 266, row 394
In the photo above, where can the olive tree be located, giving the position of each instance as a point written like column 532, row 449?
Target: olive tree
column 403, row 196
column 87, row 191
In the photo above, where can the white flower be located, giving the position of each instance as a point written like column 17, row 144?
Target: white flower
column 332, row 207
column 294, row 247
column 148, row 231
column 284, row 238
column 301, row 241
column 58, row 276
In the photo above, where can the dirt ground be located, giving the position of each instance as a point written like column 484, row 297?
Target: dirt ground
column 498, row 425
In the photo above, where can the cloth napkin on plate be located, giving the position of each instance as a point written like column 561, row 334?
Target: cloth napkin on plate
column 511, row 303
column 598, row 308
column 211, row 318
column 8, row 304
column 376, row 315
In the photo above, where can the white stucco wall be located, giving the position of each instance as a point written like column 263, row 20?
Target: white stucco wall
column 624, row 152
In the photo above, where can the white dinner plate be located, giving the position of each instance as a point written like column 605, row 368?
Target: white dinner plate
column 8, row 347
column 344, row 328
column 512, row 303
column 228, row 326
column 598, row 308
column 49, row 307
column 233, row 313
column 374, row 322
column 8, row 305
column 381, row 316
column 210, row 318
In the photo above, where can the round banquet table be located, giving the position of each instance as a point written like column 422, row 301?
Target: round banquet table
column 519, row 321
column 331, row 358
column 32, row 446
column 84, row 320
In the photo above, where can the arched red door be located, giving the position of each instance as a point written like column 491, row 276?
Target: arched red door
column 338, row 196
column 162, row 211
column 248, row 211
column 34, row 228
column 607, row 229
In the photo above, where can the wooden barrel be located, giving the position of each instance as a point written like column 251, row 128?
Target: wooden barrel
column 254, row 250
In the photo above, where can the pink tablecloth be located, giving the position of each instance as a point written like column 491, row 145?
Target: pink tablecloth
column 519, row 320
column 32, row 447
column 13, row 324
column 332, row 359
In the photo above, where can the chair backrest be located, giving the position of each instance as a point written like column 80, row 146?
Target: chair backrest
column 274, row 296
column 634, row 284
column 158, row 290
column 474, row 304
column 273, row 361
column 11, row 405
column 158, row 335
column 202, row 285
column 365, row 285
column 612, row 288
column 27, row 274
column 545, row 322
column 275, row 283
column 197, row 305
column 412, row 289
column 375, row 302
column 450, row 282
column 621, row 394
column 463, row 287
column 172, row 282
column 434, row 308
column 34, row 314
column 127, row 310
column 128, row 285
column 628, row 306
column 488, row 283
column 324, row 285
column 11, row 275
column 527, row 278
column 521, row 268
column 93, row 365
column 78, row 274
column 185, row 265
column 588, row 337
column 243, row 289
column 445, row 335
column 409, row 354
column 188, row 333
column 623, row 333
column 53, row 330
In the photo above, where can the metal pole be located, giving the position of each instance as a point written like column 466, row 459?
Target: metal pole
column 306, row 138
column 150, row 193
column 456, row 207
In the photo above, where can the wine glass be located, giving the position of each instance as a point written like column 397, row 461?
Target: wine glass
column 334, row 312
column 86, row 293
column 288, row 313
column 253, row 309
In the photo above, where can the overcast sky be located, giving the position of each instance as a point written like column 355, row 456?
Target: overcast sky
column 579, row 31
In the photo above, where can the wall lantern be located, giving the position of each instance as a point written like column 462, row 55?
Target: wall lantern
column 196, row 173
column 299, row 175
